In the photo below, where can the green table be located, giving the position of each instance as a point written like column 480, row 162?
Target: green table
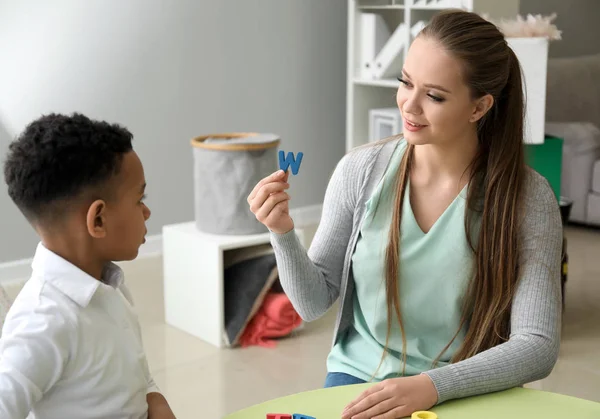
column 517, row 403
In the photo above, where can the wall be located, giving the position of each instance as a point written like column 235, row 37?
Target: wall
column 171, row 70
column 497, row 9
column 15, row 232
column 578, row 19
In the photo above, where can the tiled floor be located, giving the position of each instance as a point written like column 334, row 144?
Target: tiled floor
column 202, row 381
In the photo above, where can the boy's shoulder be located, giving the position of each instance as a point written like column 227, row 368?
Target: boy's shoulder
column 38, row 295
column 40, row 305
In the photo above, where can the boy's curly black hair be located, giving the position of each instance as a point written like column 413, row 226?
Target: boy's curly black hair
column 58, row 158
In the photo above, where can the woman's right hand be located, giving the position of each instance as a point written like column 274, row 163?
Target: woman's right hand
column 269, row 202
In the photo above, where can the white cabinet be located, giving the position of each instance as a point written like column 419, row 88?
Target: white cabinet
column 194, row 275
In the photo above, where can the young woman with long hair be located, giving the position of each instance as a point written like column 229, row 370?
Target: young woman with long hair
column 443, row 247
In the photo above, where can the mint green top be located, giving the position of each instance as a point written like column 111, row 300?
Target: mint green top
column 434, row 271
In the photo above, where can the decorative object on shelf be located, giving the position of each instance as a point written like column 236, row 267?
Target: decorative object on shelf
column 532, row 26
column 226, row 169
column 529, row 37
column 383, row 123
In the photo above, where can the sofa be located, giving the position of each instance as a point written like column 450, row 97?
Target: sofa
column 573, row 114
column 5, row 303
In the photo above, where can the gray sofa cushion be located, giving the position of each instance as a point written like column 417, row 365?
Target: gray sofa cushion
column 596, row 177
column 5, row 303
column 593, row 210
column 581, row 149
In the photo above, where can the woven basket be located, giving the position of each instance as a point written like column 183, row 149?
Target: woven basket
column 227, row 166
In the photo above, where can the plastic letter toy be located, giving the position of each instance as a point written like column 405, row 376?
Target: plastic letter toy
column 424, row 415
column 278, row 416
column 290, row 160
column 302, row 416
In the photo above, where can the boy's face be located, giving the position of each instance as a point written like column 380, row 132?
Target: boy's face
column 126, row 214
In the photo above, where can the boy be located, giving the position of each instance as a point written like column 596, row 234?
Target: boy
column 71, row 344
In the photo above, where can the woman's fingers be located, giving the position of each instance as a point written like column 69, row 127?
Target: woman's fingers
column 366, row 393
column 274, row 177
column 265, row 192
column 270, row 204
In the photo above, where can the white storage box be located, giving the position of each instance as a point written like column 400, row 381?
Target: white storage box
column 194, row 273
column 533, row 58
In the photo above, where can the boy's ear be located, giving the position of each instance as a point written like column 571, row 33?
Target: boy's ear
column 96, row 219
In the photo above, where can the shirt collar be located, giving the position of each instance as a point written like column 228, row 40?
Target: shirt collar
column 69, row 279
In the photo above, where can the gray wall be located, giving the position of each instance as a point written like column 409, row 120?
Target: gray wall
column 578, row 19
column 497, row 9
column 15, row 233
column 171, row 70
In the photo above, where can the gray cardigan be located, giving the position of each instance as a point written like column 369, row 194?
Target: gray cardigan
column 314, row 280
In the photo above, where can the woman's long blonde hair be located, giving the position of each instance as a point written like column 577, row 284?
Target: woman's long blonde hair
column 495, row 188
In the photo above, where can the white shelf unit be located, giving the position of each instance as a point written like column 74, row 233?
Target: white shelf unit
column 193, row 264
column 363, row 93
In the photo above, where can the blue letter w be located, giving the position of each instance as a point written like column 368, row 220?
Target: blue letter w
column 289, row 160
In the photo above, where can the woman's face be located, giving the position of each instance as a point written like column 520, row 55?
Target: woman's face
column 435, row 103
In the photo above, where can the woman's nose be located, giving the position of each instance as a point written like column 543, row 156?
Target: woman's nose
column 411, row 105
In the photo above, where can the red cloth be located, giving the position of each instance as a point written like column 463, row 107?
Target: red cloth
column 275, row 318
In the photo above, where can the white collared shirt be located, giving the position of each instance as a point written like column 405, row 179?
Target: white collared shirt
column 71, row 347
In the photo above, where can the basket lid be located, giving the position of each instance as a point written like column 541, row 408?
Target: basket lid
column 236, row 141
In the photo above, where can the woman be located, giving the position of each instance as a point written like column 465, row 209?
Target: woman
column 442, row 246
